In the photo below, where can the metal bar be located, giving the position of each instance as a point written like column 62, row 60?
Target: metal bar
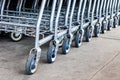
column 93, row 10
column 57, row 19
column 71, row 15
column 107, row 9
column 35, row 4
column 2, row 9
column 82, row 15
column 79, row 10
column 118, row 3
column 100, row 11
column 113, row 7
column 97, row 9
column 104, row 7
column 89, row 8
column 20, row 6
column 38, row 23
column 8, row 4
column 67, row 13
column 24, row 4
column 52, row 15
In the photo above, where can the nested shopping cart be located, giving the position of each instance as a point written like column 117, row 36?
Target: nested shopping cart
column 63, row 30
column 88, row 16
column 104, row 15
column 31, row 19
column 17, row 20
column 59, row 22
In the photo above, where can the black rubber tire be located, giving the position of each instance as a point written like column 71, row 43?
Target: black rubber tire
column 104, row 28
column 97, row 31
column 66, row 46
column 14, row 38
column 78, row 39
column 31, row 65
column 88, row 34
column 109, row 26
column 51, row 54
column 115, row 24
column 118, row 20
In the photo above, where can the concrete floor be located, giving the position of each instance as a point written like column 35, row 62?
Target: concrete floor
column 97, row 60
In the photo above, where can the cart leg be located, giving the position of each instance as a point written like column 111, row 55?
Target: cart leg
column 32, row 61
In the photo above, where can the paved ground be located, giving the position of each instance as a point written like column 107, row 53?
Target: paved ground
column 97, row 60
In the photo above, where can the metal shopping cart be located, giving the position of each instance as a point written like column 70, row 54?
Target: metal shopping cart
column 59, row 22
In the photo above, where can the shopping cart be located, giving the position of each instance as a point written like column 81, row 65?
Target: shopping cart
column 57, row 22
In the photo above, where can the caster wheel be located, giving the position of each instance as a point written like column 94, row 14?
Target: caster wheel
column 66, row 45
column 115, row 24
column 97, row 30
column 109, row 27
column 15, row 37
column 31, row 65
column 51, row 54
column 78, row 39
column 89, row 33
column 119, row 20
column 104, row 27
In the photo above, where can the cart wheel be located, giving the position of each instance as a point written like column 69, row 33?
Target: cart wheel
column 31, row 65
column 89, row 33
column 97, row 31
column 104, row 27
column 115, row 22
column 115, row 26
column 51, row 54
column 15, row 37
column 78, row 39
column 66, row 45
column 118, row 20
column 109, row 26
